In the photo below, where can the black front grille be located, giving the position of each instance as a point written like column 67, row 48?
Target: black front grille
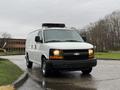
column 75, row 54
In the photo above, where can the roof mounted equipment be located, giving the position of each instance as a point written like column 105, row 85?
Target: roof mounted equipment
column 50, row 25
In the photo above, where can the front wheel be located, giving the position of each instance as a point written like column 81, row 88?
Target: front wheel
column 87, row 71
column 45, row 69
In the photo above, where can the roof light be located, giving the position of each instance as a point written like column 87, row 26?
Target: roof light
column 50, row 25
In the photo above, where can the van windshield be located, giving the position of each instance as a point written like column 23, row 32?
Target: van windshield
column 57, row 35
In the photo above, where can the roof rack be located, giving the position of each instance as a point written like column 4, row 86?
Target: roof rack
column 50, row 25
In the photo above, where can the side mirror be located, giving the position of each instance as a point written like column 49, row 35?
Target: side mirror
column 84, row 38
column 37, row 39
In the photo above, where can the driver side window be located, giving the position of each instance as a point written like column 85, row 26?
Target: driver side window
column 40, row 35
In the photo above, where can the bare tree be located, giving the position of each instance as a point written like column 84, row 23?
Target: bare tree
column 105, row 33
column 5, row 35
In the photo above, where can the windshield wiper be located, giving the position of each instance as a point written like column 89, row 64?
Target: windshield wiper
column 72, row 41
column 53, row 41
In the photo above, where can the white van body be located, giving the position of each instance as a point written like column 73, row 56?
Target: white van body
column 38, row 51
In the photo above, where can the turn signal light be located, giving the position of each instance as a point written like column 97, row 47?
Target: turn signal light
column 56, row 57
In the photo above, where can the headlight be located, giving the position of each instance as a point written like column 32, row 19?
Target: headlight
column 91, row 53
column 56, row 54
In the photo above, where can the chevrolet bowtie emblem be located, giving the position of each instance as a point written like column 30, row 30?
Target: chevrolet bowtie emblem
column 76, row 54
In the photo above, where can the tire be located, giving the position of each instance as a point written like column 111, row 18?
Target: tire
column 45, row 68
column 29, row 64
column 86, row 71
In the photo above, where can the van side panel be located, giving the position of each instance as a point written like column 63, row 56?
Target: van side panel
column 31, row 47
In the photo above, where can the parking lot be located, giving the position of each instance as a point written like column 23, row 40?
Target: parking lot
column 105, row 76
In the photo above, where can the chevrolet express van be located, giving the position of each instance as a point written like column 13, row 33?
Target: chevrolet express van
column 55, row 47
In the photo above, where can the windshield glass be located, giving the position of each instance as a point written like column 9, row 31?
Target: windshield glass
column 57, row 35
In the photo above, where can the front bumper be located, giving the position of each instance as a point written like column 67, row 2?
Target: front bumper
column 71, row 64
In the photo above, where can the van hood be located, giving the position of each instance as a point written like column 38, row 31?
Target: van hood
column 69, row 45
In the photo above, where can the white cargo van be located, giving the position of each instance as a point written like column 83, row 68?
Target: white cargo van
column 55, row 47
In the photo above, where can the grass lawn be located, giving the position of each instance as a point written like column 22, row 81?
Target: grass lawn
column 108, row 55
column 9, row 72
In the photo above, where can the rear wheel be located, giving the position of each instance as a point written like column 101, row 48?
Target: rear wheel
column 28, row 63
column 87, row 71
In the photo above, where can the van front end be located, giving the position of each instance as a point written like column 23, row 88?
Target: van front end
column 74, row 59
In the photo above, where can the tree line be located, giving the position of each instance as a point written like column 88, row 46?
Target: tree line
column 105, row 33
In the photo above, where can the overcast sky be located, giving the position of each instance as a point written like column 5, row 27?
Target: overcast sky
column 19, row 17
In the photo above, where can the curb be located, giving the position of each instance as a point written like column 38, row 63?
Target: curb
column 20, row 80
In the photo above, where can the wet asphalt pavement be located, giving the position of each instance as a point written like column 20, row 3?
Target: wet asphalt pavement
column 105, row 76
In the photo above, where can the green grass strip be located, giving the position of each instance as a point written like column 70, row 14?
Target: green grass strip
column 9, row 72
column 108, row 55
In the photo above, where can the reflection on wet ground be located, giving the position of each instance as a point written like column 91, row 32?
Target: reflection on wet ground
column 62, row 86
column 63, row 80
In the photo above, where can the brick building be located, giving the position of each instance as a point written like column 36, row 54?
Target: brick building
column 10, row 44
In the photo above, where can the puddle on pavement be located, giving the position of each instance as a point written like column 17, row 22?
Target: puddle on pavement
column 64, row 81
column 62, row 86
